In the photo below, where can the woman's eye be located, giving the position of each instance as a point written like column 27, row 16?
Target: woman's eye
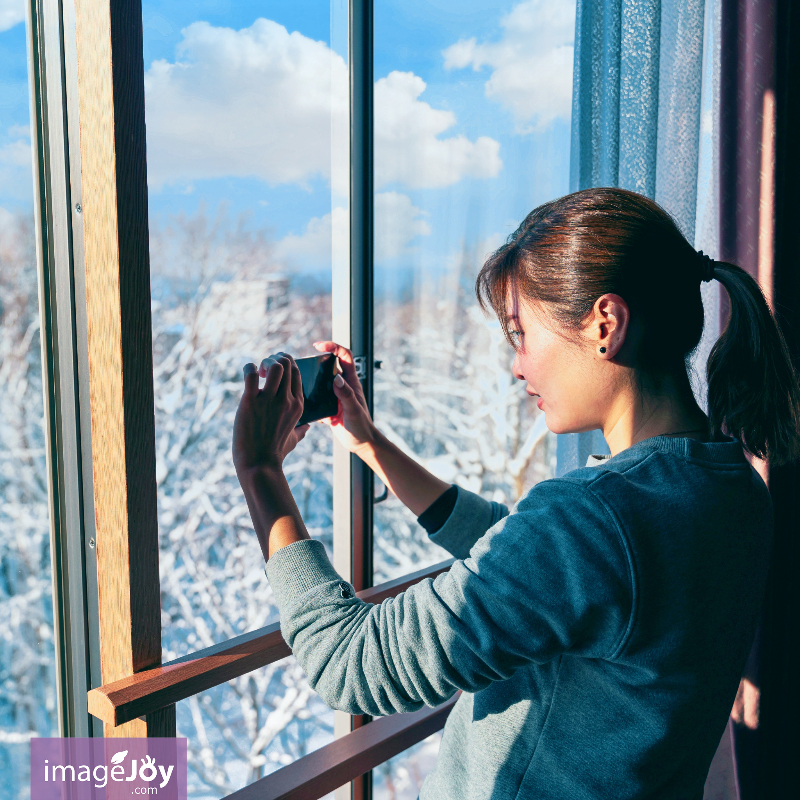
column 516, row 337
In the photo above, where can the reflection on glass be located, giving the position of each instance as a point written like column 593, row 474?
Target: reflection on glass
column 472, row 117
column 27, row 657
column 472, row 114
column 246, row 195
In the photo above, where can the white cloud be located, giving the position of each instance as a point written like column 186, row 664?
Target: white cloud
column 531, row 64
column 263, row 102
column 254, row 102
column 315, row 244
column 13, row 238
column 12, row 12
column 19, row 132
column 15, row 166
column 407, row 145
column 16, row 154
column 6, row 223
column 397, row 223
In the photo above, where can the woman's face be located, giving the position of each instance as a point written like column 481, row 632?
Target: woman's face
column 562, row 370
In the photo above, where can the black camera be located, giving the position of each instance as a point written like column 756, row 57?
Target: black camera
column 318, row 373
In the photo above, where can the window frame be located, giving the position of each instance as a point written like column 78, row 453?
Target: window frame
column 72, row 382
column 93, row 266
column 59, row 247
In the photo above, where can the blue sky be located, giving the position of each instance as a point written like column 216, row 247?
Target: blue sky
column 472, row 119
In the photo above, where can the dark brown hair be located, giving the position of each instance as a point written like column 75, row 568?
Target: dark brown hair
column 569, row 252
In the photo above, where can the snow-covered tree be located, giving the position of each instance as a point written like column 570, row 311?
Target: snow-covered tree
column 27, row 659
column 220, row 301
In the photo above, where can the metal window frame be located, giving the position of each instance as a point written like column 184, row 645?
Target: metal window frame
column 62, row 309
column 354, row 482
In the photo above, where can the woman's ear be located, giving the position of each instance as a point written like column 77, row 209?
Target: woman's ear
column 608, row 326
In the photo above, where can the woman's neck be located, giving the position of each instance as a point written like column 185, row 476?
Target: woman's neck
column 665, row 408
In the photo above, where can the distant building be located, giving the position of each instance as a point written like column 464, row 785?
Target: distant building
column 242, row 306
column 277, row 291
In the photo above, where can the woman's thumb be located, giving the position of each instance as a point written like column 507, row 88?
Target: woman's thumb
column 343, row 390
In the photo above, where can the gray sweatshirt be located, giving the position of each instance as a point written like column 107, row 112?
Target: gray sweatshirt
column 598, row 631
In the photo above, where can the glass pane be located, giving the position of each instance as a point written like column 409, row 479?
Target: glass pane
column 251, row 726
column 27, row 653
column 401, row 777
column 472, row 119
column 245, row 104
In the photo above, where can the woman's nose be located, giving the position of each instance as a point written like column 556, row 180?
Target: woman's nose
column 515, row 369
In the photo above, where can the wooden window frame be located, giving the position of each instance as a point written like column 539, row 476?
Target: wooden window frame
column 91, row 213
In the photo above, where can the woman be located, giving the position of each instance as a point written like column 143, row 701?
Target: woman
column 599, row 630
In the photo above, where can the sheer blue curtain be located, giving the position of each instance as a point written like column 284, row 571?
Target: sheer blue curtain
column 644, row 117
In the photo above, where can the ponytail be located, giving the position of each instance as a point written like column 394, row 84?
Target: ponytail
column 753, row 390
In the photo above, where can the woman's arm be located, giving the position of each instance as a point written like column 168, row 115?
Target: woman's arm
column 542, row 582
column 413, row 485
column 264, row 434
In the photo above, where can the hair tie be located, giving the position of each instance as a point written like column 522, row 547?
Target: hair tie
column 706, row 266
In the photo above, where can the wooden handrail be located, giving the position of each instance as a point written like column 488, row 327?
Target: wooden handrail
column 345, row 759
column 154, row 689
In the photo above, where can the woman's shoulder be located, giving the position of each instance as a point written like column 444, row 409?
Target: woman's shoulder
column 664, row 457
column 683, row 475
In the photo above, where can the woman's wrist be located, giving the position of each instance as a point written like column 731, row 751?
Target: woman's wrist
column 368, row 451
column 251, row 477
column 276, row 518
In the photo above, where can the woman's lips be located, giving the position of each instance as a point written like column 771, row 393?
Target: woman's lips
column 534, row 394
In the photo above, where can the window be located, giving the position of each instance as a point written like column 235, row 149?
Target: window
column 245, row 106
column 472, row 119
column 314, row 169
column 28, row 643
column 269, row 194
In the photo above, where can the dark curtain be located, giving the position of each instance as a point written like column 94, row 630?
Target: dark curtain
column 759, row 212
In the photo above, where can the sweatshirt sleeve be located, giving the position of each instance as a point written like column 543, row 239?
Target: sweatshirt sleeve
column 470, row 518
column 557, row 569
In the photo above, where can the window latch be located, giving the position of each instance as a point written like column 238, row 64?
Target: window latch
column 361, row 366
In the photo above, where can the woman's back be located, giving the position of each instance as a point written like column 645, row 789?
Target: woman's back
column 644, row 719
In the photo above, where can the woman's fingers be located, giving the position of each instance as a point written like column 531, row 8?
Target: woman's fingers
column 295, row 377
column 272, row 370
column 346, row 395
column 250, row 380
column 344, row 355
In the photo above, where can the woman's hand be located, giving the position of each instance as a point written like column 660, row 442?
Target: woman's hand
column 264, row 430
column 352, row 425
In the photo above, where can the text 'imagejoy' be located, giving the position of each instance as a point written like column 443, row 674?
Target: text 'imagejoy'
column 106, row 769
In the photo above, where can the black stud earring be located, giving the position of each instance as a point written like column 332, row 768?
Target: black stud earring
column 602, row 349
